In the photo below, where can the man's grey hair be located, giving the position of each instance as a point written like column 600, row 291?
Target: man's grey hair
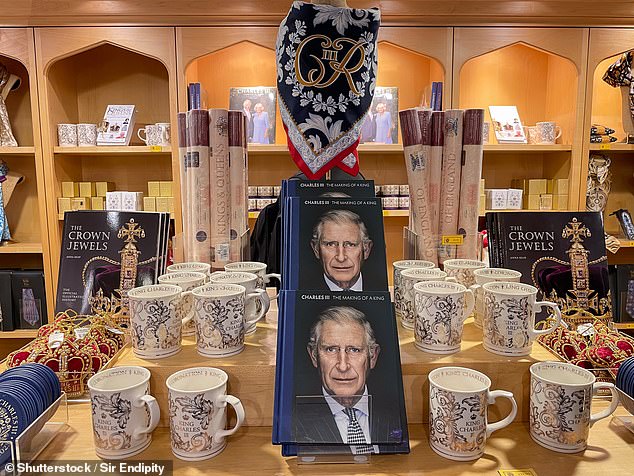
column 339, row 217
column 342, row 315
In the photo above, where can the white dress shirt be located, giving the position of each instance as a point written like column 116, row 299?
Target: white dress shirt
column 358, row 286
column 341, row 419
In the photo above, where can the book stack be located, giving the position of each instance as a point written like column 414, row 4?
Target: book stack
column 338, row 387
column 601, row 134
column 563, row 256
column 107, row 253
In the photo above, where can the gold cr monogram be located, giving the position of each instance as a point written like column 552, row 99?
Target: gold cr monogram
column 330, row 52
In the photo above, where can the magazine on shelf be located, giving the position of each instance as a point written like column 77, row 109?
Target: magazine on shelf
column 258, row 104
column 94, row 246
column 507, row 124
column 117, row 125
column 380, row 124
column 309, row 397
column 562, row 254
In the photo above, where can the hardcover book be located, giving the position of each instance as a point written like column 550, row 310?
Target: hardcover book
column 381, row 121
column 507, row 124
column 560, row 253
column 6, row 302
column 313, row 392
column 624, row 293
column 105, row 254
column 258, row 104
column 117, row 125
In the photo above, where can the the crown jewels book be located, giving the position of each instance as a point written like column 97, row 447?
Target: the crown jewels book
column 105, row 254
column 560, row 253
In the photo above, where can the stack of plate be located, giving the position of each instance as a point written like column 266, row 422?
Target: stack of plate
column 25, row 393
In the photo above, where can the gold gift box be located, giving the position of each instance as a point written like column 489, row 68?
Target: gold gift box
column 70, row 189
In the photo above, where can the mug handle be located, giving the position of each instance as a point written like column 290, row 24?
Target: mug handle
column 138, row 133
column 470, row 303
column 188, row 318
column 235, row 402
column 498, row 425
column 155, row 414
column 538, row 307
column 558, row 129
column 267, row 279
column 451, row 279
column 613, row 404
column 256, row 295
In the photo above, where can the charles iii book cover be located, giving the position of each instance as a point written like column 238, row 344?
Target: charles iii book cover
column 560, row 253
column 105, row 253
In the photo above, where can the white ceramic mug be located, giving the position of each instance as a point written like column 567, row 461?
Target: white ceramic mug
column 195, row 266
column 458, row 402
column 67, row 135
column 86, row 135
column 399, row 266
column 197, row 400
column 151, row 134
column 548, row 132
column 489, row 275
column 257, row 268
column 163, row 134
column 188, row 280
column 124, row 414
column 462, row 270
column 406, row 302
column 441, row 309
column 532, row 134
column 249, row 281
column 560, row 400
column 156, row 321
column 509, row 318
column 220, row 318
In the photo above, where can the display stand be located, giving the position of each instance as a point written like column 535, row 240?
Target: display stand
column 34, row 439
column 628, row 404
column 449, row 244
column 330, row 450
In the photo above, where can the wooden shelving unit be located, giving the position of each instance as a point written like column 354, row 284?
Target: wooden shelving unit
column 21, row 247
column 81, row 71
column 20, row 150
column 613, row 147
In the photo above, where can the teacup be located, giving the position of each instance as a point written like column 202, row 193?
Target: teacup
column 441, row 309
column 462, row 270
column 124, row 414
column 489, row 275
column 249, row 281
column 220, row 318
column 151, row 134
column 560, row 399
column 188, row 280
column 406, row 302
column 509, row 318
column 257, row 268
column 163, row 134
column 548, row 132
column 156, row 320
column 198, row 400
column 458, row 402
column 399, row 266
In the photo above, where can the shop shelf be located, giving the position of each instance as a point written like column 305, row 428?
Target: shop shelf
column 113, row 150
column 21, row 247
column 24, row 150
column 19, row 334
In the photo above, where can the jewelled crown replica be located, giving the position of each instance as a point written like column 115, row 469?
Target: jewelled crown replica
column 581, row 303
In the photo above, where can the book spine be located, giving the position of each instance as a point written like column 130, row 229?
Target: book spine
column 439, row 97
column 185, row 199
column 190, row 96
column 199, row 186
column 435, row 168
column 220, row 179
column 470, row 183
column 417, row 164
column 237, row 171
column 450, row 185
column 434, row 93
column 196, row 95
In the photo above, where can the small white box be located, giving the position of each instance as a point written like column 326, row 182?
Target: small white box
column 497, row 199
column 514, row 199
column 131, row 201
column 113, row 200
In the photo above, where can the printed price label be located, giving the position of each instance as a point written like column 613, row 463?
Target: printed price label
column 517, row 472
column 81, row 332
column 452, row 240
column 55, row 339
column 156, row 148
column 605, row 146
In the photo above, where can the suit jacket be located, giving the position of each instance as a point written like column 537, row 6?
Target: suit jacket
column 315, row 424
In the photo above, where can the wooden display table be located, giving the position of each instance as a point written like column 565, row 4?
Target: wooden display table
column 250, row 452
column 252, row 372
